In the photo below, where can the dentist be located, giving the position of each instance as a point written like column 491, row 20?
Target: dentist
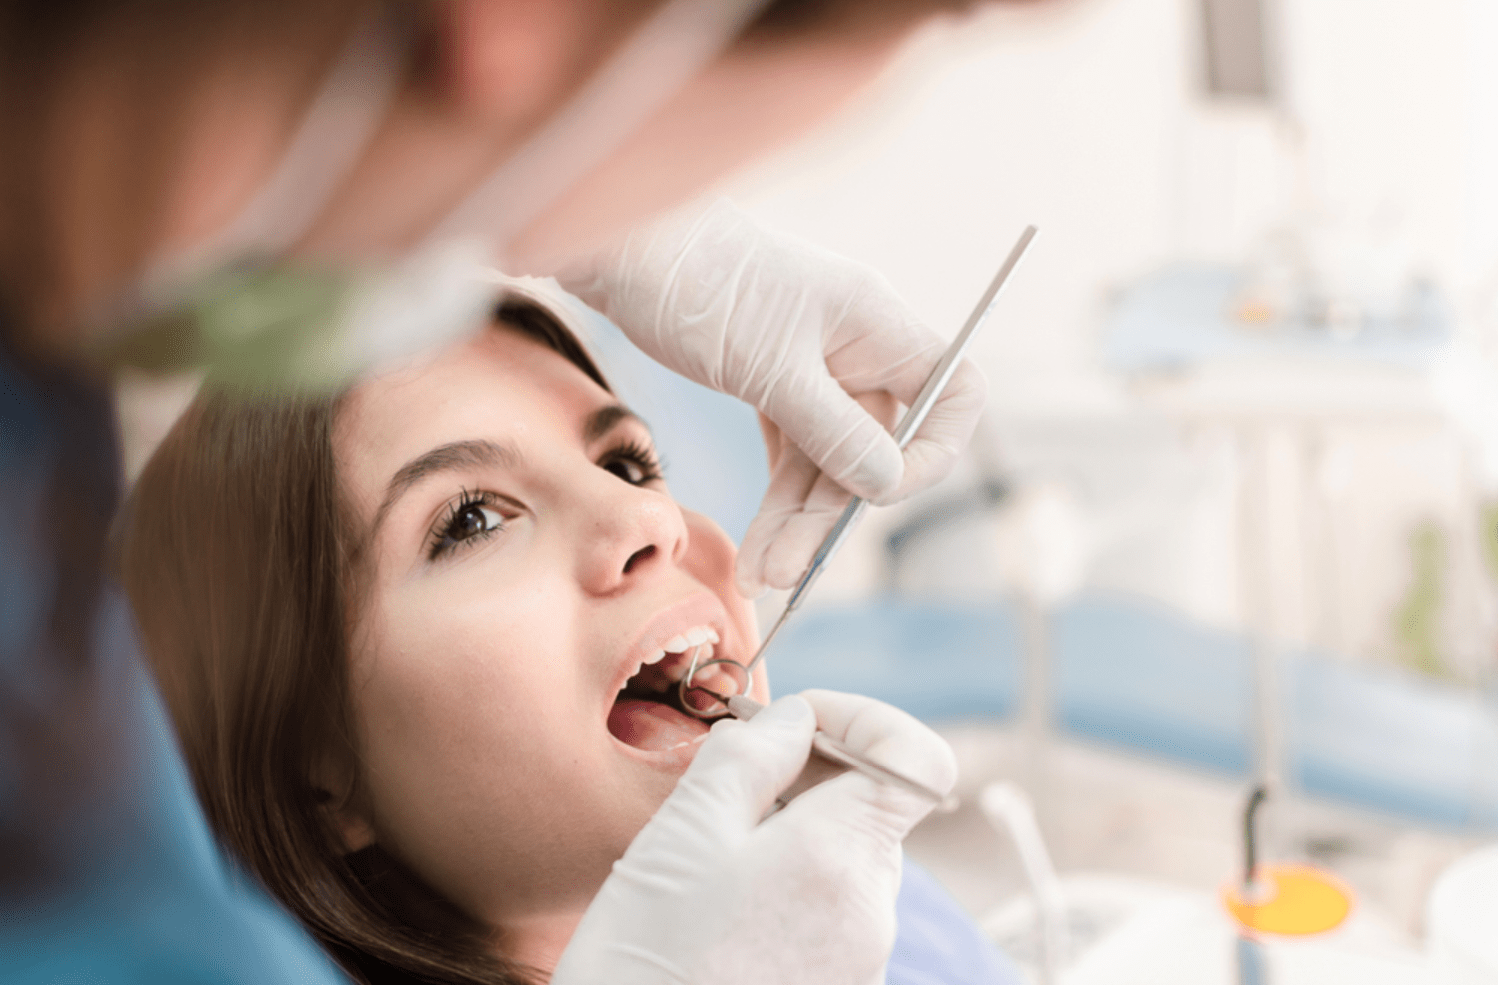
column 302, row 189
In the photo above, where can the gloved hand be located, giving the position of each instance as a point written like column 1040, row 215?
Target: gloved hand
column 710, row 894
column 799, row 333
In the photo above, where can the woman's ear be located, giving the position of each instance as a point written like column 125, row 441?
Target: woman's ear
column 337, row 798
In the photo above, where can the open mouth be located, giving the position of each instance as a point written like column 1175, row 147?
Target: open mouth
column 647, row 713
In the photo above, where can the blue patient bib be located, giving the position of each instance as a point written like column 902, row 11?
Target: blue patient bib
column 937, row 943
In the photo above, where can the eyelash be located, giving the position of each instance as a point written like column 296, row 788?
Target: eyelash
column 444, row 534
column 650, row 465
column 444, row 539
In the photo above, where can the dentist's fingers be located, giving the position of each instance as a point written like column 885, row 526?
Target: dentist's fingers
column 945, row 432
column 792, row 477
column 734, row 779
column 787, row 557
column 880, row 346
column 889, row 737
column 846, row 442
column 799, row 509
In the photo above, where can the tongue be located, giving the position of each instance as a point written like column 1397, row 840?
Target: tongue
column 652, row 726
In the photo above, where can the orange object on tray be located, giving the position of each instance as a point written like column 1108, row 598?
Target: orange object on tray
column 1295, row 900
column 1291, row 900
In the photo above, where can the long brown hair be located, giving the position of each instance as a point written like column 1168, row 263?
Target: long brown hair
column 242, row 561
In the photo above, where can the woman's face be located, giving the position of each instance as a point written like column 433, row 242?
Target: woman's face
column 525, row 558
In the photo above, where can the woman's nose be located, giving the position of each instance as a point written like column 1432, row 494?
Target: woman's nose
column 630, row 535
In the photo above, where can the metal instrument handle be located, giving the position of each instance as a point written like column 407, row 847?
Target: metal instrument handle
column 903, row 432
column 834, row 751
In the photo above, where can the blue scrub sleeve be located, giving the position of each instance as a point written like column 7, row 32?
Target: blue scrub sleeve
column 108, row 872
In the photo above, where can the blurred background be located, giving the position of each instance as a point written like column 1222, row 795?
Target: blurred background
column 1233, row 515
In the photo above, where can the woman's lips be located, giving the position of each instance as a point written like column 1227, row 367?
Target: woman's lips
column 652, row 726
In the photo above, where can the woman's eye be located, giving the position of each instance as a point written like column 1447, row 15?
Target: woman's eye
column 467, row 522
column 635, row 463
column 474, row 519
column 631, row 472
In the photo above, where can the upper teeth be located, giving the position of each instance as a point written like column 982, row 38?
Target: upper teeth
column 682, row 642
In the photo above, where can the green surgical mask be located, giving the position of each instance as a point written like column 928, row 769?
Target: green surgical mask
column 253, row 319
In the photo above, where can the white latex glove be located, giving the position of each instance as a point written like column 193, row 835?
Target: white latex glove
column 799, row 333
column 710, row 894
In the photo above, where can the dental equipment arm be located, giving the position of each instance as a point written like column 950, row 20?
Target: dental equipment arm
column 712, row 892
column 802, row 334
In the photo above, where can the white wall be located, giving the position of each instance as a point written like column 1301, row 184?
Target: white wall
column 1063, row 115
column 1087, row 117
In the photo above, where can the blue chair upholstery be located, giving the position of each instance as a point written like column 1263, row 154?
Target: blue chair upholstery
column 940, row 662
column 1136, row 675
column 1391, row 740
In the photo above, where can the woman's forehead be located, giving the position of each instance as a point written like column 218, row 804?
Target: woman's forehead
column 497, row 385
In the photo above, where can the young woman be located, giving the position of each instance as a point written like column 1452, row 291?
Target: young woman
column 420, row 641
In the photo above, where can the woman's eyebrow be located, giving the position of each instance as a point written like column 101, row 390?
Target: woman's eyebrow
column 444, row 458
column 605, row 419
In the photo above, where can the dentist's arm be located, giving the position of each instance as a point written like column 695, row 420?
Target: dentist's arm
column 802, row 334
column 710, row 894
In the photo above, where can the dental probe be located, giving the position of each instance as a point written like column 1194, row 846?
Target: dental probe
column 935, row 384
column 834, row 751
